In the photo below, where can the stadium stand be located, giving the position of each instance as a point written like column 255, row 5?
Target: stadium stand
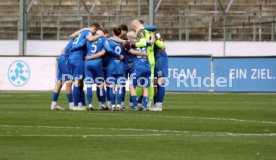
column 56, row 19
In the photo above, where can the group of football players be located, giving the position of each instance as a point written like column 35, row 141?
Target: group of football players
column 95, row 57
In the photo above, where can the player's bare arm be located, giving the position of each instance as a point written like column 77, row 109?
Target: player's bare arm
column 97, row 55
column 117, row 39
column 94, row 38
column 63, row 51
column 75, row 34
column 138, row 53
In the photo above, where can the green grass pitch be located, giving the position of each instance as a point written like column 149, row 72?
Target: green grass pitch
column 192, row 127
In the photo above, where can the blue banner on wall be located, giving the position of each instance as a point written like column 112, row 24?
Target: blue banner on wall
column 189, row 74
column 245, row 74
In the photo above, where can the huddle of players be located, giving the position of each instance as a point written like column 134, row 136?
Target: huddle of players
column 92, row 57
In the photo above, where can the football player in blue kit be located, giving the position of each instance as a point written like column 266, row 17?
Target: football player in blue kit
column 76, row 62
column 63, row 76
column 160, row 71
column 141, row 75
column 94, row 69
column 115, row 70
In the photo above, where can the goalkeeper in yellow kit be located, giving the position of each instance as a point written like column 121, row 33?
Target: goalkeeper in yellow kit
column 145, row 38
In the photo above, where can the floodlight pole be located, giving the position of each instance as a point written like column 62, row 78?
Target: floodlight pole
column 139, row 9
column 157, row 6
column 22, row 28
column 151, row 12
column 210, row 31
column 273, row 29
column 30, row 6
column 180, row 25
column 260, row 27
column 225, row 12
column 89, row 11
column 41, row 26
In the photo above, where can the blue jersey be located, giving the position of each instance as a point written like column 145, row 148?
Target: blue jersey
column 63, row 68
column 128, row 60
column 78, row 46
column 68, row 47
column 115, row 66
column 141, row 62
column 62, row 58
column 94, row 48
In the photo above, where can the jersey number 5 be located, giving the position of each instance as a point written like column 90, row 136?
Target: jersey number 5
column 94, row 48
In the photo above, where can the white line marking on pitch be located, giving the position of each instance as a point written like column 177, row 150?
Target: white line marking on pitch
column 203, row 134
column 85, row 136
column 168, row 132
column 201, row 118
column 185, row 117
column 95, row 128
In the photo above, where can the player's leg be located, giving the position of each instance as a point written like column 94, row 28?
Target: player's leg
column 111, row 91
column 121, row 82
column 155, row 90
column 161, row 73
column 128, row 75
column 69, row 93
column 89, row 95
column 151, row 87
column 108, row 101
column 82, row 95
column 76, row 92
column 101, row 96
column 145, row 98
column 160, row 90
column 133, row 98
column 152, row 65
column 55, row 96
column 146, row 84
column 63, row 69
column 132, row 90
column 78, row 74
column 139, row 91
column 99, row 80
column 89, row 81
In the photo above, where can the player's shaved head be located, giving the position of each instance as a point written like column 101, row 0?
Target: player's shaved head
column 136, row 25
column 131, row 35
column 135, row 22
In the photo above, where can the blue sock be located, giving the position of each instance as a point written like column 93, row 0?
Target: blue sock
column 134, row 101
column 130, row 100
column 155, row 98
column 160, row 93
column 70, row 97
column 107, row 93
column 82, row 96
column 101, row 95
column 124, row 93
column 112, row 96
column 120, row 95
column 140, row 99
column 76, row 95
column 89, row 94
column 145, row 102
column 98, row 94
column 55, row 96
